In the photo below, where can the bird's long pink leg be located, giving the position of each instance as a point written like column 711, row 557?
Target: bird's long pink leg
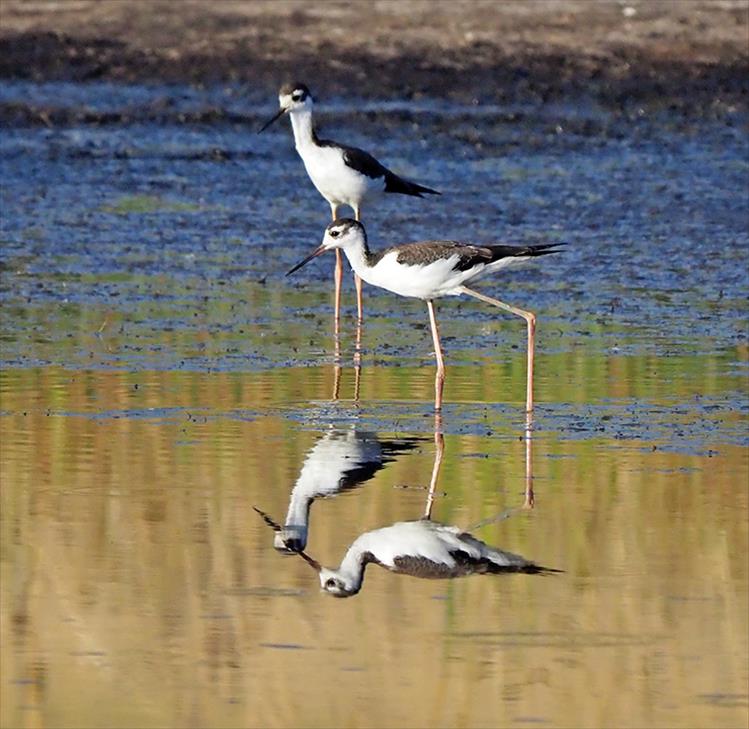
column 358, row 284
column 530, row 319
column 337, row 278
column 439, row 380
column 338, row 282
column 357, row 280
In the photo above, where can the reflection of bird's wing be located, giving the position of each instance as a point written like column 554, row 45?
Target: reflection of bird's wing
column 497, row 557
column 427, row 549
column 415, row 539
column 393, row 448
column 337, row 461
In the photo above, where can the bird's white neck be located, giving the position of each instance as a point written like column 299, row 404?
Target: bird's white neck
column 358, row 256
column 304, row 132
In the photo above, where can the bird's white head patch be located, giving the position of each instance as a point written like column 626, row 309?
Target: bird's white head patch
column 342, row 232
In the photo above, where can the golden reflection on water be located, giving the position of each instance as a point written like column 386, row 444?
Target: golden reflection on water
column 141, row 589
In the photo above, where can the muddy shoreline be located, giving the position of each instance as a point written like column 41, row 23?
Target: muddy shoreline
column 689, row 56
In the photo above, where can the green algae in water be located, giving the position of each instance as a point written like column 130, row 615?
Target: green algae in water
column 148, row 204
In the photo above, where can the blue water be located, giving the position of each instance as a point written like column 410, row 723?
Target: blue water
column 149, row 215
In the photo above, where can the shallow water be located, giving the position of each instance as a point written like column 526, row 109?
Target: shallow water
column 161, row 377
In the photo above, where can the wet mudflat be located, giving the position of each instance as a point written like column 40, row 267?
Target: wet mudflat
column 161, row 377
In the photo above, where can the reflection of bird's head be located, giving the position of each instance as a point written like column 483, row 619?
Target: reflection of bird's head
column 290, row 539
column 336, row 584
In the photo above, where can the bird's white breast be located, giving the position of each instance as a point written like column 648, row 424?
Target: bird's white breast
column 419, row 281
column 335, row 181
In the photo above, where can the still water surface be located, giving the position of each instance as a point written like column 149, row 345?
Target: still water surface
column 141, row 589
column 161, row 378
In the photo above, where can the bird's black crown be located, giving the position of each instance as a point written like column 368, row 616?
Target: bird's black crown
column 295, row 89
column 341, row 225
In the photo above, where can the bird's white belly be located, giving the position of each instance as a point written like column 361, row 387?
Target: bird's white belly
column 420, row 282
column 334, row 180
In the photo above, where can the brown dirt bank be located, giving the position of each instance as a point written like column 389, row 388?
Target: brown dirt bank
column 683, row 52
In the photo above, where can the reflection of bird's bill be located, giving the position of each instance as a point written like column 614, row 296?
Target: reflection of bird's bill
column 279, row 532
column 275, row 527
column 311, row 562
column 318, row 251
column 270, row 121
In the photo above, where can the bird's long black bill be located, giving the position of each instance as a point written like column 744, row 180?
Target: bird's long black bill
column 318, row 251
column 270, row 121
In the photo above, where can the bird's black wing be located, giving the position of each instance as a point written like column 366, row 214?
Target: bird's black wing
column 531, row 251
column 393, row 183
column 423, row 253
column 359, row 160
column 363, row 162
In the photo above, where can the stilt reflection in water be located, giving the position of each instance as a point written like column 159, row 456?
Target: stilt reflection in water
column 338, row 369
column 529, row 497
column 424, row 548
column 340, row 460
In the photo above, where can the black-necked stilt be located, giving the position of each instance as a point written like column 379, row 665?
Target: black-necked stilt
column 343, row 175
column 430, row 269
column 339, row 461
